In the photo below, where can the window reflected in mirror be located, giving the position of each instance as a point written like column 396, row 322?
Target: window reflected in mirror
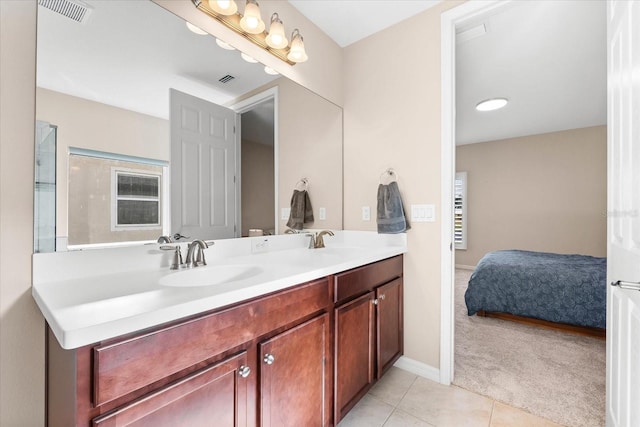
column 115, row 199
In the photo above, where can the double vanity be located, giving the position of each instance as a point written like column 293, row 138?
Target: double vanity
column 269, row 333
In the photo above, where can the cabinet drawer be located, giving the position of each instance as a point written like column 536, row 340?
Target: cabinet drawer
column 122, row 367
column 217, row 393
column 363, row 279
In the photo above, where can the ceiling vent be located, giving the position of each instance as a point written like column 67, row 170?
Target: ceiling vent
column 226, row 79
column 77, row 10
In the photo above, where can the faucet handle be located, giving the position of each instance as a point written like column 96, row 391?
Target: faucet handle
column 312, row 240
column 177, row 256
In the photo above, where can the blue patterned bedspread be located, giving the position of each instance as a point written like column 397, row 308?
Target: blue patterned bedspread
column 558, row 288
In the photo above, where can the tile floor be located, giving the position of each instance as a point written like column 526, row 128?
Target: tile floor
column 402, row 399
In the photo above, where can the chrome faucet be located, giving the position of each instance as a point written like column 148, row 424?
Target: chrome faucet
column 317, row 241
column 165, row 239
column 195, row 253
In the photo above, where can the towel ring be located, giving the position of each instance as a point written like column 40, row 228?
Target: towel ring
column 388, row 176
column 302, row 185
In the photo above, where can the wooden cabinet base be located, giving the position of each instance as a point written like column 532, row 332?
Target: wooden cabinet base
column 303, row 356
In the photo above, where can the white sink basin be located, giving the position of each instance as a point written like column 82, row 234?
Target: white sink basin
column 209, row 275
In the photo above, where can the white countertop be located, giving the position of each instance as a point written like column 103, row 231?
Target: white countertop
column 89, row 296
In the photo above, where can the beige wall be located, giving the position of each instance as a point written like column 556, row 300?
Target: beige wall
column 258, row 193
column 309, row 146
column 541, row 193
column 21, row 324
column 392, row 119
column 87, row 124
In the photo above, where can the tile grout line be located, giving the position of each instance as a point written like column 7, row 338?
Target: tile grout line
column 493, row 407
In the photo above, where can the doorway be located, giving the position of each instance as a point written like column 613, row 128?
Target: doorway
column 468, row 17
column 257, row 185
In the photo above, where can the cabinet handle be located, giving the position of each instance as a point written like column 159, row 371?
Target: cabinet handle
column 381, row 297
column 374, row 301
column 269, row 359
column 244, row 371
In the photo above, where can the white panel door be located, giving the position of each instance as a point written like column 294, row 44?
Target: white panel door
column 623, row 232
column 203, row 168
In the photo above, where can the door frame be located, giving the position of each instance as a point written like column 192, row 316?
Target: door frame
column 449, row 20
column 242, row 107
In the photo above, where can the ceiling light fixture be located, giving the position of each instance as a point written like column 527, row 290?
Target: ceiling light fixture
column 195, row 29
column 252, row 27
column 491, row 104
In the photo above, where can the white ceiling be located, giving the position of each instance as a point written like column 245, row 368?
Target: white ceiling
column 547, row 57
column 347, row 21
column 130, row 53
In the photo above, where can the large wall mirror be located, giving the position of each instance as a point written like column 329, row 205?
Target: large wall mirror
column 103, row 114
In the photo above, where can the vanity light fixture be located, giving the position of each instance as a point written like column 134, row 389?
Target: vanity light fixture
column 223, row 7
column 252, row 22
column 196, row 30
column 276, row 37
column 297, row 52
column 252, row 27
column 491, row 104
column 224, row 45
column 248, row 58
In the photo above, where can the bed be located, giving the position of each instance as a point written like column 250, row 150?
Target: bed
column 554, row 288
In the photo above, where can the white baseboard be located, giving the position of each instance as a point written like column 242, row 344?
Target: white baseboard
column 418, row 368
column 466, row 267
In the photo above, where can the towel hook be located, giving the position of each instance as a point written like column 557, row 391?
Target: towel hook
column 388, row 176
column 302, row 185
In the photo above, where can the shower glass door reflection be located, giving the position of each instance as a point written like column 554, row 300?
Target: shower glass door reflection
column 44, row 223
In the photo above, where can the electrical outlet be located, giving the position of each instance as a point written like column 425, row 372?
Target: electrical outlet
column 366, row 213
column 259, row 245
column 322, row 213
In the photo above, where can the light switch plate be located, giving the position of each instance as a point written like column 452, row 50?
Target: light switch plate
column 366, row 213
column 423, row 213
column 284, row 213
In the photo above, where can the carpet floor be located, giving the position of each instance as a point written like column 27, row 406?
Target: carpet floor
column 555, row 375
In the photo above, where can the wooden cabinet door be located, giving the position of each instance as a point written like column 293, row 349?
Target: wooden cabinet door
column 389, row 325
column 295, row 376
column 216, row 395
column 354, row 352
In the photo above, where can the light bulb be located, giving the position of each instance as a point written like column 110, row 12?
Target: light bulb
column 251, row 22
column 223, row 7
column 297, row 52
column 276, row 38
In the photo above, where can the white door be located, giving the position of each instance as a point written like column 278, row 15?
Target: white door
column 623, row 233
column 203, row 168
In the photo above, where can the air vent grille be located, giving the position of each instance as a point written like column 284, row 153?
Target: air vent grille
column 72, row 9
column 226, row 79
